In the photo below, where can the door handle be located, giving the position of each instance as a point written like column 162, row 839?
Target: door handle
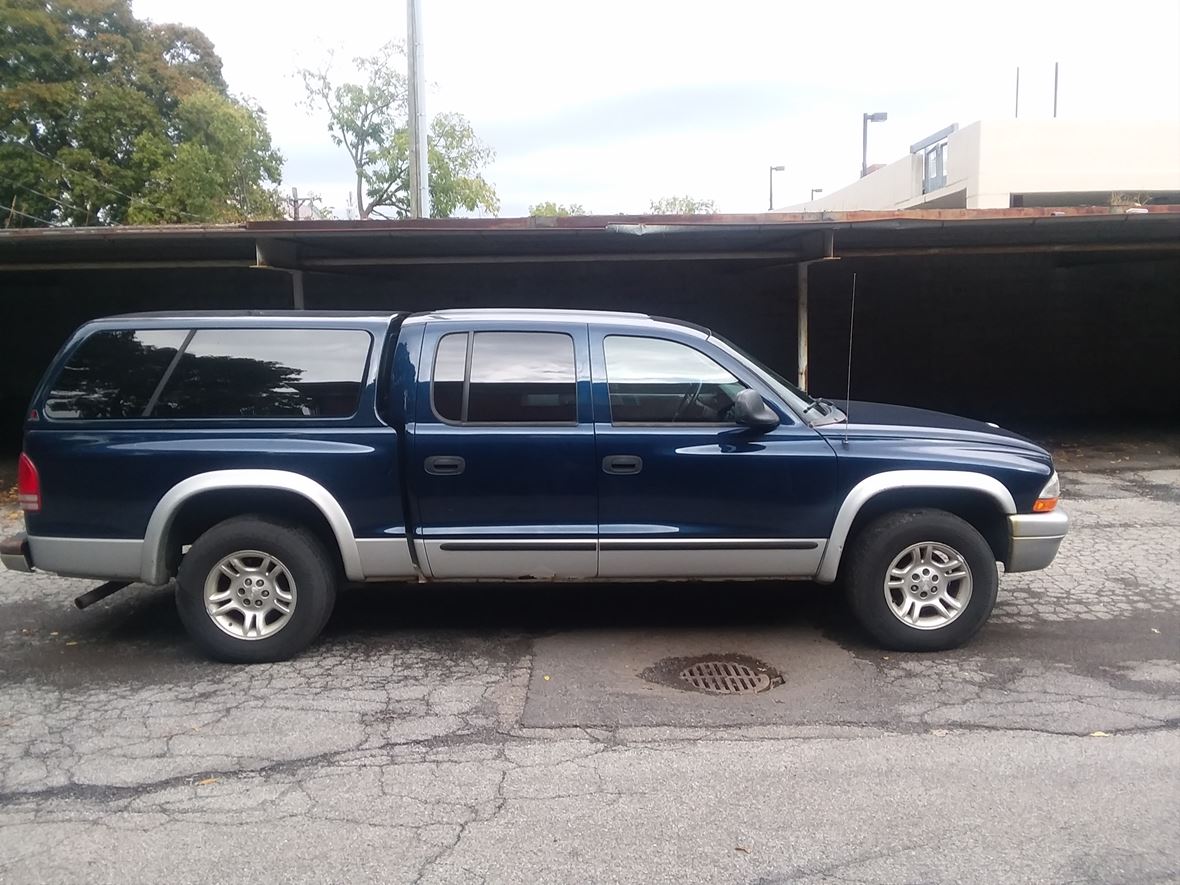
column 445, row 465
column 622, row 465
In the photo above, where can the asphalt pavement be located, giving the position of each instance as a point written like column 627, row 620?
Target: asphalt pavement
column 509, row 733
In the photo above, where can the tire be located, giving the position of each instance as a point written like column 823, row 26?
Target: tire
column 892, row 606
column 286, row 567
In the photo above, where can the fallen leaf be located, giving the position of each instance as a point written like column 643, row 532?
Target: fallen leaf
column 1099, row 734
column 546, row 678
column 940, row 732
column 741, row 849
column 207, row 781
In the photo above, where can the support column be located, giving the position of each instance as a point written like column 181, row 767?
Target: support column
column 801, row 376
column 297, row 289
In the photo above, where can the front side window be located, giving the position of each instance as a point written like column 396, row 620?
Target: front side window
column 113, row 374
column 505, row 378
column 267, row 373
column 655, row 381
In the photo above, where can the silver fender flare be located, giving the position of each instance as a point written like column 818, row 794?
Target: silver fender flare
column 874, row 485
column 153, row 564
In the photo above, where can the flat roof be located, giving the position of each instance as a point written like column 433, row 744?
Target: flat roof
column 771, row 237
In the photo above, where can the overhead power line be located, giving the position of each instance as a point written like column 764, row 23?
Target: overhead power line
column 69, row 207
column 103, row 184
column 11, row 211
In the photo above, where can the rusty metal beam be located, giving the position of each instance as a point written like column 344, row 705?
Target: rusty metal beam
column 393, row 260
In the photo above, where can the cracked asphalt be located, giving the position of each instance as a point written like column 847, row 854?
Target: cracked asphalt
column 495, row 733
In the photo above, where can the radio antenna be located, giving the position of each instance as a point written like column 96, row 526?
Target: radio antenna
column 848, row 377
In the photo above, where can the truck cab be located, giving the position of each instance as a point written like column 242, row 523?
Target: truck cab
column 261, row 460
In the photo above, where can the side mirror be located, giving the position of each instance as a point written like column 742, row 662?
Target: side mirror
column 751, row 410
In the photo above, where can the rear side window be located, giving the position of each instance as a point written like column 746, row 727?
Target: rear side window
column 505, row 378
column 113, row 374
column 267, row 373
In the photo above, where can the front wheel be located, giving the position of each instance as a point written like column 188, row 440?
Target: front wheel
column 921, row 580
column 251, row 590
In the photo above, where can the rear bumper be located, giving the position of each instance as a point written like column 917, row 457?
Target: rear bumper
column 14, row 553
column 1034, row 539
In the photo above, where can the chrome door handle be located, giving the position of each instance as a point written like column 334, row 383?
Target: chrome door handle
column 622, row 465
column 445, row 465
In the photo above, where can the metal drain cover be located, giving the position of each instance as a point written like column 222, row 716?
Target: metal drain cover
column 725, row 677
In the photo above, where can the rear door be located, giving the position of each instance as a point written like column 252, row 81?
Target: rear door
column 684, row 490
column 502, row 467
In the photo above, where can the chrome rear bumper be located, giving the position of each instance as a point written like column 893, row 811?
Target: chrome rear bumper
column 1034, row 539
column 14, row 553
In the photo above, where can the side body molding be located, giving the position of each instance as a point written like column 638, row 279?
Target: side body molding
column 152, row 569
column 864, row 490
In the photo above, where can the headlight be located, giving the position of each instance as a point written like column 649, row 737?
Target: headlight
column 1047, row 499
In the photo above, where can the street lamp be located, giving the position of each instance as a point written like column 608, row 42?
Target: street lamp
column 773, row 169
column 878, row 117
column 816, row 190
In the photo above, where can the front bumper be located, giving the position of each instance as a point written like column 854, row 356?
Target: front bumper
column 14, row 553
column 1034, row 539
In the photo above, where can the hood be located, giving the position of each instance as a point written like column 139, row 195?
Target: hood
column 899, row 418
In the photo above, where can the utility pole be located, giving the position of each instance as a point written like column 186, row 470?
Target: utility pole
column 1056, row 71
column 296, row 202
column 419, row 156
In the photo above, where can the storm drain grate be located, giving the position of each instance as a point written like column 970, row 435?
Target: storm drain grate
column 725, row 677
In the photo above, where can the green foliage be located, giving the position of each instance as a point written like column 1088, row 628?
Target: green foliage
column 108, row 119
column 556, row 210
column 682, row 206
column 369, row 120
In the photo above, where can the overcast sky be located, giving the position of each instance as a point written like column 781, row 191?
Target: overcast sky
column 613, row 104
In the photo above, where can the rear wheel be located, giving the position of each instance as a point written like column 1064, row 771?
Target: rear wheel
column 921, row 580
column 252, row 589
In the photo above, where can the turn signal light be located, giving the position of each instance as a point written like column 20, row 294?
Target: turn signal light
column 1047, row 499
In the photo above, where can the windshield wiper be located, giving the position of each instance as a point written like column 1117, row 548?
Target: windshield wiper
column 819, row 402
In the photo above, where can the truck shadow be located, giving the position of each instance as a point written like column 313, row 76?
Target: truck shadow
column 541, row 609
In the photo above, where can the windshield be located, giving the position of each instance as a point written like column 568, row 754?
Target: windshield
column 814, row 410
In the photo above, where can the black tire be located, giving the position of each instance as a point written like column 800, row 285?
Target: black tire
column 868, row 562
column 313, row 571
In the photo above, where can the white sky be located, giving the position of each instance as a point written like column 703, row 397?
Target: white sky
column 613, row 104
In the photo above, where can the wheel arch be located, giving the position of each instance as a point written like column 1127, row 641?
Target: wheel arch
column 981, row 500
column 254, row 490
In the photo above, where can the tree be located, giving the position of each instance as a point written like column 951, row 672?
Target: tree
column 682, row 206
column 369, row 119
column 107, row 119
column 557, row 210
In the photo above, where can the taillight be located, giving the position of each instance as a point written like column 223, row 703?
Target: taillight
column 28, row 485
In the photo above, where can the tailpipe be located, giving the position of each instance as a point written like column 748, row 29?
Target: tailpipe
column 102, row 591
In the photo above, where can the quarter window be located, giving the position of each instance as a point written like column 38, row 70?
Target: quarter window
column 113, row 374
column 267, row 373
column 655, row 381
column 505, row 378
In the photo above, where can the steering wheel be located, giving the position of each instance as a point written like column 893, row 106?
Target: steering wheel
column 689, row 396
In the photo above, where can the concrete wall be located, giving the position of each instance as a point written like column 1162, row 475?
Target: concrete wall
column 989, row 161
column 1029, row 341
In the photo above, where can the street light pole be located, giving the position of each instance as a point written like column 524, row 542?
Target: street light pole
column 773, row 169
column 878, row 117
column 816, row 190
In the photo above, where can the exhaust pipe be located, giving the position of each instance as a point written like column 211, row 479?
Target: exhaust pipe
column 102, row 591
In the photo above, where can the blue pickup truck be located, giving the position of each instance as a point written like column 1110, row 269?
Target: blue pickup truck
column 265, row 459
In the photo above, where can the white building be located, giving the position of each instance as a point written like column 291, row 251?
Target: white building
column 1000, row 164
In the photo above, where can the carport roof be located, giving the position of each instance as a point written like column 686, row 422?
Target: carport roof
column 771, row 237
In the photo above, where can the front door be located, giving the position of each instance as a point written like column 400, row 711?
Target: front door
column 684, row 491
column 502, row 464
